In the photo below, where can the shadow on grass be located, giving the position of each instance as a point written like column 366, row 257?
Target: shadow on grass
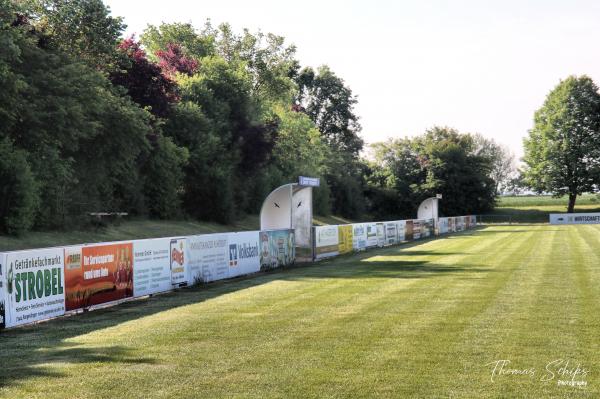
column 34, row 351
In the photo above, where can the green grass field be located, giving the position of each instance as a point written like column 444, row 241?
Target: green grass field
column 546, row 200
column 419, row 320
column 535, row 208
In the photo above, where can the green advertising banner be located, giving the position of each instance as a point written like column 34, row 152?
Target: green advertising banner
column 35, row 286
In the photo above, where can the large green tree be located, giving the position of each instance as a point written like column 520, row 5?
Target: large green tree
column 82, row 28
column 562, row 152
column 441, row 160
column 329, row 102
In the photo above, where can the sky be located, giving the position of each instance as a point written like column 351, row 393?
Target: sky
column 477, row 66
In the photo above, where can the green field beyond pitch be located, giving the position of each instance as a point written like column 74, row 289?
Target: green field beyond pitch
column 422, row 320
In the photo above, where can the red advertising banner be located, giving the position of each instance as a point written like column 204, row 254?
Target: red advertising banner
column 98, row 274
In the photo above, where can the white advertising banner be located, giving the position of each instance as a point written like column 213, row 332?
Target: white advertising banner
column 460, row 223
column 2, row 293
column 426, row 227
column 372, row 240
column 208, row 257
column 416, row 229
column 451, row 225
column 244, row 253
column 326, row 241
column 152, row 271
column 35, row 286
column 179, row 275
column 443, row 225
column 391, row 233
column 575, row 218
column 473, row 220
column 359, row 236
column 380, row 234
column 401, row 230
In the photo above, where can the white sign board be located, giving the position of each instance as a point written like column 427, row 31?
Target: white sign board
column 372, row 239
column 359, row 236
column 179, row 274
column 152, row 271
column 244, row 253
column 443, row 225
column 575, row 218
column 326, row 241
column 391, row 233
column 35, row 285
column 401, row 230
column 309, row 181
column 208, row 257
column 380, row 234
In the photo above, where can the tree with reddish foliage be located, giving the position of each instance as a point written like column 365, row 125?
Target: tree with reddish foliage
column 145, row 82
column 172, row 61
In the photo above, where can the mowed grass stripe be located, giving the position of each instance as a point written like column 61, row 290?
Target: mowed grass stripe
column 412, row 321
column 503, row 330
column 471, row 301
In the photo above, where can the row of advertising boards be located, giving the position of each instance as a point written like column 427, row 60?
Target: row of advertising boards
column 45, row 283
column 341, row 239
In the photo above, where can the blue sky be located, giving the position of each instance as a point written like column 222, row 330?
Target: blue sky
column 478, row 66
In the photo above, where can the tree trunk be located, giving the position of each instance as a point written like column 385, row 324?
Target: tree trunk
column 572, row 198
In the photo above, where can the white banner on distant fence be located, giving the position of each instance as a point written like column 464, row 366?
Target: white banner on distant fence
column 179, row 275
column 152, row 271
column 326, row 241
column 359, row 236
column 443, row 225
column 244, row 253
column 401, row 230
column 372, row 239
column 35, row 286
column 575, row 218
column 208, row 257
column 391, row 233
column 380, row 234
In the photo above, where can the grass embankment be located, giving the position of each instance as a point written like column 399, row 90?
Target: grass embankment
column 137, row 229
column 126, row 230
column 420, row 320
column 535, row 209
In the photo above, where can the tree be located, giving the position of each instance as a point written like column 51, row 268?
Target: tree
column 440, row 161
column 82, row 140
column 194, row 44
column 19, row 199
column 144, row 81
column 326, row 99
column 82, row 28
column 562, row 152
column 502, row 159
column 173, row 61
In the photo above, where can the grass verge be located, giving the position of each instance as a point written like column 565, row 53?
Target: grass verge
column 428, row 319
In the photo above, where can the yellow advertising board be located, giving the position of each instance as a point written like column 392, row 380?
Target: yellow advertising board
column 345, row 239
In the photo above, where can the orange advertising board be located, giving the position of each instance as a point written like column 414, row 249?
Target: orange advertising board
column 98, row 274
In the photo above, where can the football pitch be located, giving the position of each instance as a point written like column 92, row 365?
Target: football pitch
column 501, row 311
